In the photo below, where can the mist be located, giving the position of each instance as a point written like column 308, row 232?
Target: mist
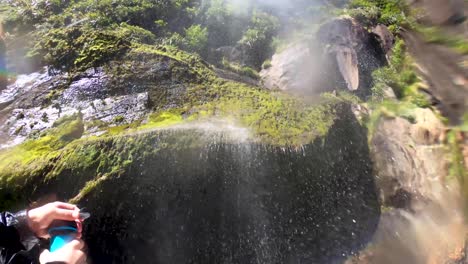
column 280, row 7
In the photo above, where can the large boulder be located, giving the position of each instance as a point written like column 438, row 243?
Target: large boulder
column 423, row 218
column 409, row 158
column 343, row 54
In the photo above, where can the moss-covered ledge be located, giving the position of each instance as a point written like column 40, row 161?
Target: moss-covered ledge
column 59, row 156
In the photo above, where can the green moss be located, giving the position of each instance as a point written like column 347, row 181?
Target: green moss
column 246, row 71
column 162, row 119
column 457, row 163
column 64, row 131
column 122, row 129
column 119, row 119
column 192, row 62
column 266, row 65
column 464, row 125
column 88, row 188
column 275, row 118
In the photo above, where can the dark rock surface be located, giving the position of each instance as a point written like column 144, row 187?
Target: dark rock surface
column 191, row 196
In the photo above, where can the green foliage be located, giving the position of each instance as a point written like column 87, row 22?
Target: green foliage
column 80, row 48
column 72, row 35
column 225, row 27
column 392, row 13
column 135, row 34
column 24, row 15
column 197, row 38
column 266, row 65
column 245, row 71
column 258, row 38
column 142, row 13
column 399, row 75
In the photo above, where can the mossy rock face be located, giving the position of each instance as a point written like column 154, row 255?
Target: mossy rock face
column 149, row 81
column 196, row 188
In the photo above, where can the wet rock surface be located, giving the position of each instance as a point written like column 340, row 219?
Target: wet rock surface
column 34, row 102
column 190, row 196
column 120, row 93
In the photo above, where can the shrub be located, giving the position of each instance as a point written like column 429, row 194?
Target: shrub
column 196, row 38
column 258, row 38
column 135, row 34
column 80, row 48
column 399, row 75
column 266, row 65
column 247, row 71
column 389, row 12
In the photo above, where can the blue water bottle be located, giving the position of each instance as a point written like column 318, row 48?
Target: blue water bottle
column 61, row 232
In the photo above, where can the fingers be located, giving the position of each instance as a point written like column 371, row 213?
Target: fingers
column 79, row 225
column 76, row 244
column 66, row 214
column 65, row 205
column 81, row 257
column 44, row 256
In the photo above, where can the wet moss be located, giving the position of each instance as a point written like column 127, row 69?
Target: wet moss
column 162, row 119
column 63, row 132
column 79, row 167
column 62, row 157
column 274, row 117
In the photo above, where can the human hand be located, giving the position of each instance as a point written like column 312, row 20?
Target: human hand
column 71, row 253
column 39, row 219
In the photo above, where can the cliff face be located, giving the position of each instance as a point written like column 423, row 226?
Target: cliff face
column 194, row 194
column 181, row 161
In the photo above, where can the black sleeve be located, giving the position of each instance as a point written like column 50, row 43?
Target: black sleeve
column 18, row 244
